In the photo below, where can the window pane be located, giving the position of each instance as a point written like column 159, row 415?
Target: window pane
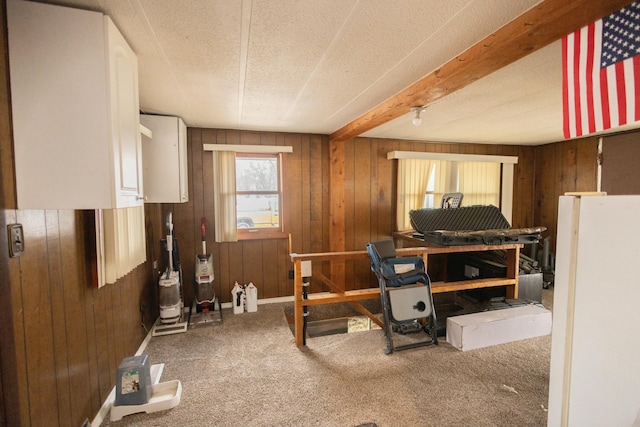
column 480, row 183
column 428, row 201
column 256, row 174
column 431, row 185
column 258, row 211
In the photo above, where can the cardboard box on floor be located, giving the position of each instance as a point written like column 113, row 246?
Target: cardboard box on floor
column 477, row 330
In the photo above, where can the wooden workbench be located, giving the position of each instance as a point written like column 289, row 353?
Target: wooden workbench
column 338, row 293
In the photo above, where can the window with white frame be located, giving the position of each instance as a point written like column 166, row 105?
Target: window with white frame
column 248, row 191
column 258, row 192
column 423, row 178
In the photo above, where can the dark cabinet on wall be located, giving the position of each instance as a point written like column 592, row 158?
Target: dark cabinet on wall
column 620, row 163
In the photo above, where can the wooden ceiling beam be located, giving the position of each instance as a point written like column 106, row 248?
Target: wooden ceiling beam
column 540, row 26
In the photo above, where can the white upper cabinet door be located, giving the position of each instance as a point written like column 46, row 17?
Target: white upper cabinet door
column 125, row 123
column 165, row 159
column 74, row 94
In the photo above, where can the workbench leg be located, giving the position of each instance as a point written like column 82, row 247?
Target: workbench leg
column 305, row 309
column 297, row 303
column 513, row 267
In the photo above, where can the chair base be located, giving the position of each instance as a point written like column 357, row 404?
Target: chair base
column 429, row 328
column 391, row 349
column 405, row 301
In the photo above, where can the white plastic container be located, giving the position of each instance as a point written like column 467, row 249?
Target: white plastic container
column 165, row 395
column 237, row 298
column 252, row 297
column 133, row 381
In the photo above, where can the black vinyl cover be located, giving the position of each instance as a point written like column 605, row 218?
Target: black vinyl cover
column 466, row 218
column 469, row 225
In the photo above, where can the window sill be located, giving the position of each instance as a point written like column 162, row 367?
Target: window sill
column 261, row 234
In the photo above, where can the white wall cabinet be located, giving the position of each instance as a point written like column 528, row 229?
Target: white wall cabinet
column 74, row 90
column 164, row 159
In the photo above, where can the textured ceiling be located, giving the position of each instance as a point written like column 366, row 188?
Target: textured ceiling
column 314, row 66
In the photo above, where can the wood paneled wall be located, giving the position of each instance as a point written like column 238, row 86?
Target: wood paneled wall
column 370, row 186
column 560, row 168
column 66, row 337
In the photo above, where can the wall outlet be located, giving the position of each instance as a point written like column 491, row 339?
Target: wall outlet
column 16, row 240
column 305, row 266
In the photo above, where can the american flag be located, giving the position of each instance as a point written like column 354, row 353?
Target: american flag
column 601, row 74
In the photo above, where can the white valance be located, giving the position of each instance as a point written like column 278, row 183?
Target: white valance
column 452, row 157
column 237, row 148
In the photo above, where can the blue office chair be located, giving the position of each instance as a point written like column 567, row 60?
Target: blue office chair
column 405, row 293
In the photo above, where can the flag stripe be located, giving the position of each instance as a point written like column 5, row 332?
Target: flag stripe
column 576, row 84
column 636, row 88
column 565, row 89
column 588, row 79
column 612, row 92
column 598, row 101
column 620, row 92
column 604, row 103
column 630, row 90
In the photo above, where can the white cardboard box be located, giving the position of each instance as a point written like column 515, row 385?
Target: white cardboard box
column 488, row 328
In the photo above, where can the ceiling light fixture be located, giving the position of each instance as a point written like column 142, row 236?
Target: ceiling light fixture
column 416, row 119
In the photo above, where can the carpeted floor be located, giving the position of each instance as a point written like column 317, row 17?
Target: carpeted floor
column 248, row 371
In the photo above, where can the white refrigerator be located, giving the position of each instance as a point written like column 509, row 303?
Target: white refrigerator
column 595, row 344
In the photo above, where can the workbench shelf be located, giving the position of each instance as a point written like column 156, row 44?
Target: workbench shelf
column 339, row 294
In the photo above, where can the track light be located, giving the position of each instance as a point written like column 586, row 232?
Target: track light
column 416, row 119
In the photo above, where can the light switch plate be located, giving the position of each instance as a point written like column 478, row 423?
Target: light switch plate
column 16, row 240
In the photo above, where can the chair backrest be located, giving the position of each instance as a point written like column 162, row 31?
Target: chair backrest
column 397, row 271
column 379, row 252
column 451, row 200
column 384, row 248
